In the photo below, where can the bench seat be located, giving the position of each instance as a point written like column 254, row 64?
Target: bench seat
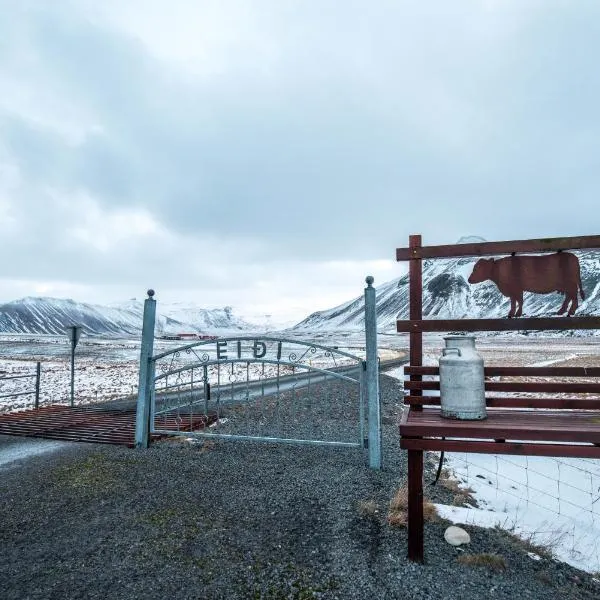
column 554, row 417
column 536, row 432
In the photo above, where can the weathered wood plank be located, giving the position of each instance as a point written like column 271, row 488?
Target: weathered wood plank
column 482, row 447
column 550, row 426
column 554, row 387
column 493, row 371
column 520, row 324
column 416, row 308
column 415, row 505
column 495, row 248
column 525, row 402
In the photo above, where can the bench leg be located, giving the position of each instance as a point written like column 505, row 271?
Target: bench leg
column 415, row 505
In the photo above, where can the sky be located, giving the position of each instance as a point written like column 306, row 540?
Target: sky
column 269, row 154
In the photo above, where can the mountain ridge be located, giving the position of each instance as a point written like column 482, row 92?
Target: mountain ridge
column 46, row 315
column 448, row 295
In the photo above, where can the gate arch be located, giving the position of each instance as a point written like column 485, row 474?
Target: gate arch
column 260, row 388
column 208, row 383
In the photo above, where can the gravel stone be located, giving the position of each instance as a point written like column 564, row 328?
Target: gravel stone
column 243, row 520
column 456, row 536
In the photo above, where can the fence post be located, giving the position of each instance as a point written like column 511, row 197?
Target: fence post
column 372, row 375
column 38, row 373
column 142, row 419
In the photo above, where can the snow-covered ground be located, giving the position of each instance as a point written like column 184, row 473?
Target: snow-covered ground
column 109, row 368
column 552, row 502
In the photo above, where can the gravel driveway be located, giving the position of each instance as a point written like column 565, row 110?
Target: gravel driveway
column 242, row 520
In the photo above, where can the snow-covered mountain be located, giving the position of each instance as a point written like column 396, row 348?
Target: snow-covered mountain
column 448, row 295
column 52, row 315
column 204, row 318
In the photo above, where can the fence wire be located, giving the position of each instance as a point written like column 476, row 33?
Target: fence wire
column 555, row 500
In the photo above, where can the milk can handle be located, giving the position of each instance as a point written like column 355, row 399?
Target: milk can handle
column 447, row 350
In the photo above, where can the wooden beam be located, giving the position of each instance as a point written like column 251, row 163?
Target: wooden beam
column 508, row 424
column 520, row 324
column 524, row 402
column 547, row 387
column 415, row 506
column 415, row 270
column 493, row 371
column 495, row 248
column 517, row 448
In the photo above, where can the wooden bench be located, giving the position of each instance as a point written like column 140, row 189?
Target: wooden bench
column 538, row 411
column 515, row 425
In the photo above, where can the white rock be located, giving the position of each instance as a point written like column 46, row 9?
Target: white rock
column 456, row 536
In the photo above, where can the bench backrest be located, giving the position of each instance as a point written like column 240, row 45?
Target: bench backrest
column 560, row 388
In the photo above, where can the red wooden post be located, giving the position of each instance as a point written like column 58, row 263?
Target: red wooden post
column 415, row 505
column 415, row 457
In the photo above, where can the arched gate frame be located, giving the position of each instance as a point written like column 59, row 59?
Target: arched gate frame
column 260, row 388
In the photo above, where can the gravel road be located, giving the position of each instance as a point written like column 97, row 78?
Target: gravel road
column 242, row 520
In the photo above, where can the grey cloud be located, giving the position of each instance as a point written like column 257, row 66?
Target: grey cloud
column 359, row 132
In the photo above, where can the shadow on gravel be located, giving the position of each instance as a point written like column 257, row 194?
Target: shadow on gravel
column 241, row 520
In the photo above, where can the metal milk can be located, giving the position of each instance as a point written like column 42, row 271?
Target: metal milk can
column 462, row 391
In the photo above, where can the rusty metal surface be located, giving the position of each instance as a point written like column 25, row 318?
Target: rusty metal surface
column 95, row 424
column 541, row 274
column 494, row 248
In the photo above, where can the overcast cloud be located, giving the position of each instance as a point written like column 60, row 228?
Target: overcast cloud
column 270, row 154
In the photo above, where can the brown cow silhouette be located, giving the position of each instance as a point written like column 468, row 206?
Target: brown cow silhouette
column 543, row 274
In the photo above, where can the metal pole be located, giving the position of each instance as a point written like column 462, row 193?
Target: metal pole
column 372, row 375
column 38, row 373
column 72, row 374
column 142, row 420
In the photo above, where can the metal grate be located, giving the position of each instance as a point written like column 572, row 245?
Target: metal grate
column 94, row 424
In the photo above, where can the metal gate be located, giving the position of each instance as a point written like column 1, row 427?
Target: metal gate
column 260, row 388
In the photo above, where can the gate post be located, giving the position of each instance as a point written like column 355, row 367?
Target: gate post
column 372, row 375
column 142, row 419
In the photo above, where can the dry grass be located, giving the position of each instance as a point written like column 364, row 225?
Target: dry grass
column 397, row 518
column 398, row 511
column 208, row 445
column 462, row 496
column 368, row 508
column 496, row 562
column 528, row 545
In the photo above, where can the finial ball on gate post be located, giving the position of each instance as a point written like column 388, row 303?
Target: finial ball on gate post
column 369, row 279
column 150, row 293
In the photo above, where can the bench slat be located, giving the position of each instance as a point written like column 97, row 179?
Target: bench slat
column 551, row 426
column 518, row 371
column 517, row 386
column 524, row 402
column 566, row 450
column 520, row 324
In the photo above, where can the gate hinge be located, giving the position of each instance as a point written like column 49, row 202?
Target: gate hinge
column 365, row 442
column 364, row 363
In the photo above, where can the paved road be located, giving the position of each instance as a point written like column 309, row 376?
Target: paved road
column 15, row 450
column 243, row 390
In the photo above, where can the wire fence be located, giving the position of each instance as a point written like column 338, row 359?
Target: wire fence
column 553, row 502
column 13, row 385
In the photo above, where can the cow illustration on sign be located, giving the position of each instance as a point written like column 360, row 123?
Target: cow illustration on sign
column 558, row 272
